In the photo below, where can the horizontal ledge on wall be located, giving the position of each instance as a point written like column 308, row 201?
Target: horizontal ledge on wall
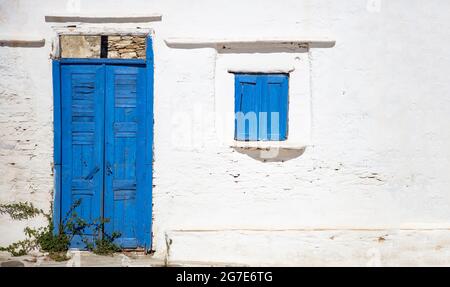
column 22, row 42
column 262, row 69
column 263, row 43
column 103, row 19
column 267, row 145
column 108, row 31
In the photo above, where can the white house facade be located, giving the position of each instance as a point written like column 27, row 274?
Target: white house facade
column 131, row 106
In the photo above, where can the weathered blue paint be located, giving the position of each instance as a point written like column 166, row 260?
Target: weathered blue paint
column 147, row 198
column 56, row 74
column 261, row 98
column 125, row 170
column 83, row 94
column 103, row 152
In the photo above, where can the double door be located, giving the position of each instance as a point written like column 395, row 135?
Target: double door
column 106, row 160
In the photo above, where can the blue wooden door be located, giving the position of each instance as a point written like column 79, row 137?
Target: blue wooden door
column 106, row 149
column 126, row 179
column 82, row 89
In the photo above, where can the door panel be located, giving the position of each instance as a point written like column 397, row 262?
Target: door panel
column 125, row 139
column 106, row 143
column 82, row 89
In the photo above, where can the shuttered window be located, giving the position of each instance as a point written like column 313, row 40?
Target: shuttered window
column 261, row 107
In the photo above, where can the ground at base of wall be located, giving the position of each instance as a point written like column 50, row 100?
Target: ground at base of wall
column 81, row 259
column 88, row 259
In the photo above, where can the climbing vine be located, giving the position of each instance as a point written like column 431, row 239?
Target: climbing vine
column 57, row 243
column 21, row 210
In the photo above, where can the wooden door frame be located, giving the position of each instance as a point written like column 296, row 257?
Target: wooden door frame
column 57, row 120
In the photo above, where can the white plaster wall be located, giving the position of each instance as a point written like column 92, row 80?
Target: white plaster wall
column 379, row 158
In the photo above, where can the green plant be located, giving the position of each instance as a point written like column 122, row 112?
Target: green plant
column 101, row 243
column 42, row 238
column 57, row 244
column 21, row 210
column 105, row 245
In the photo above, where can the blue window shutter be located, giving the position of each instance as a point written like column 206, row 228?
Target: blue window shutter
column 261, row 107
column 247, row 104
column 275, row 98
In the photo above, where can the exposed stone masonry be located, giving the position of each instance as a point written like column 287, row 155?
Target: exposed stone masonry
column 126, row 47
column 119, row 47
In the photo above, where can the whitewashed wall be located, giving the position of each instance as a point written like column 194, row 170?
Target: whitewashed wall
column 371, row 189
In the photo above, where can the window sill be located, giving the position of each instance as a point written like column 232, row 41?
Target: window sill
column 267, row 145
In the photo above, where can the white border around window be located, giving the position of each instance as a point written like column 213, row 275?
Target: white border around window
column 299, row 111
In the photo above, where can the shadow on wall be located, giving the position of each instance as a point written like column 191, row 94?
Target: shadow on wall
column 270, row 154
